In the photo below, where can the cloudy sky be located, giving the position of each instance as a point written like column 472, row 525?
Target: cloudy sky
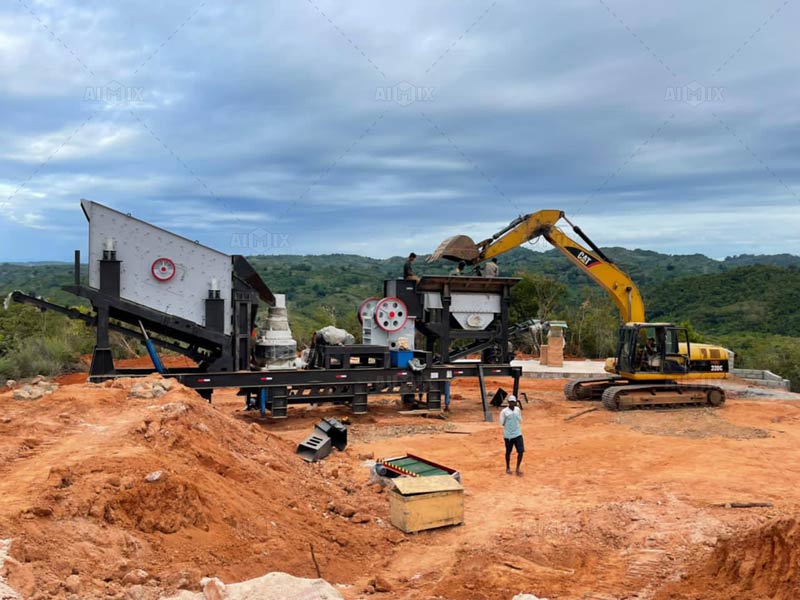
column 378, row 127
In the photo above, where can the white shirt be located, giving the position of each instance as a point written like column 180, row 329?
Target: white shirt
column 511, row 420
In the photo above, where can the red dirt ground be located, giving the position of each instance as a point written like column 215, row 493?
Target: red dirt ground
column 611, row 505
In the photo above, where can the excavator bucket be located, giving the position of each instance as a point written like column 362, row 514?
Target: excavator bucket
column 456, row 248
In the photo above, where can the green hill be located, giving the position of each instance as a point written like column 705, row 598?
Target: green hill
column 44, row 279
column 753, row 299
column 741, row 301
column 645, row 267
column 739, row 294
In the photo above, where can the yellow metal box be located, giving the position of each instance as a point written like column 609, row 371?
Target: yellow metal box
column 419, row 503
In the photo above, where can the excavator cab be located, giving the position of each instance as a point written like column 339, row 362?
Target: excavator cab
column 653, row 348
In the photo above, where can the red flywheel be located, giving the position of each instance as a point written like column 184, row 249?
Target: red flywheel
column 391, row 314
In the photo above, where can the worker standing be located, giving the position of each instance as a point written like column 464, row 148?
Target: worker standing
column 491, row 269
column 511, row 420
column 408, row 269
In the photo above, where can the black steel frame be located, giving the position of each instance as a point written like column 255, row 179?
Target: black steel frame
column 276, row 390
column 437, row 326
column 224, row 360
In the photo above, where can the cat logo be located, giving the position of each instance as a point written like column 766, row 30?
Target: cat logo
column 584, row 257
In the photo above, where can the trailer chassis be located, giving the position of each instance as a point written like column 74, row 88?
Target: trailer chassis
column 274, row 391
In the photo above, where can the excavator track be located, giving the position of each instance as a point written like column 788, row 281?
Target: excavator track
column 583, row 390
column 662, row 395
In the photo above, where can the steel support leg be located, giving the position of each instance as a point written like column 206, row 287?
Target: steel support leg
column 262, row 402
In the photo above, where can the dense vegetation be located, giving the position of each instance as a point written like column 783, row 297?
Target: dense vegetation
column 46, row 343
column 43, row 279
column 755, row 299
column 747, row 303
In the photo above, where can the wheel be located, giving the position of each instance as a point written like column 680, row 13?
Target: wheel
column 716, row 397
column 367, row 309
column 391, row 314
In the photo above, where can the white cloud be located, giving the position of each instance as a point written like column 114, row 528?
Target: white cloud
column 556, row 105
column 73, row 142
column 716, row 233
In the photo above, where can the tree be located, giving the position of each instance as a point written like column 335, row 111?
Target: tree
column 537, row 296
column 777, row 353
column 694, row 335
column 593, row 326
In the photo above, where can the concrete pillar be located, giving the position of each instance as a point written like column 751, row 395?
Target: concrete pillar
column 555, row 344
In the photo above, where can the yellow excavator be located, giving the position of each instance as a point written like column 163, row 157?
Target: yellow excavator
column 655, row 363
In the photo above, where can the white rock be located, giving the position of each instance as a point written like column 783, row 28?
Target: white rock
column 5, row 591
column 33, row 392
column 174, row 409
column 154, row 476
column 10, row 383
column 141, row 592
column 143, row 390
column 73, row 584
column 136, row 577
column 213, row 588
column 527, row 597
column 29, row 392
column 282, row 586
column 272, row 586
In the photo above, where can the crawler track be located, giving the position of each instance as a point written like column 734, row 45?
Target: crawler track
column 662, row 395
column 581, row 390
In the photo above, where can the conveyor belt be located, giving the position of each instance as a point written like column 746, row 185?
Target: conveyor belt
column 414, row 466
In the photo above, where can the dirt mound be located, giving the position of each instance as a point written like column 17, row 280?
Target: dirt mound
column 103, row 490
column 762, row 563
column 137, row 490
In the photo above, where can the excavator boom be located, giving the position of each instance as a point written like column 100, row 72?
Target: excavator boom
column 543, row 223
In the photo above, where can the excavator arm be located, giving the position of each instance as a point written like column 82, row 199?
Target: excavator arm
column 590, row 260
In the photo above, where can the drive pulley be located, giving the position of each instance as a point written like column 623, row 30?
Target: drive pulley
column 391, row 314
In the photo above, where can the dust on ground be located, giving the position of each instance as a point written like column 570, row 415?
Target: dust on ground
column 693, row 423
column 610, row 505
